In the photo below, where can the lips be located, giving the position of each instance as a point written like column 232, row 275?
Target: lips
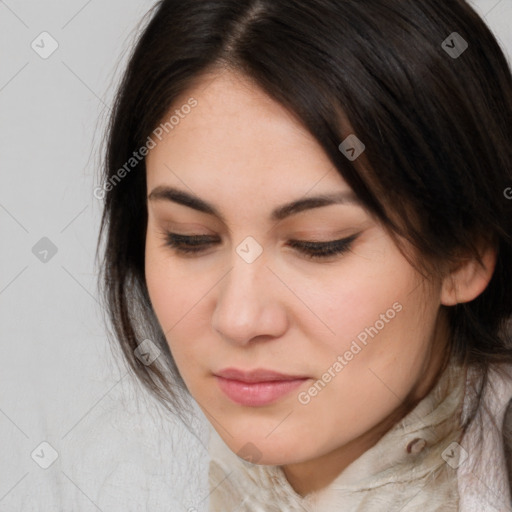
column 257, row 387
column 258, row 375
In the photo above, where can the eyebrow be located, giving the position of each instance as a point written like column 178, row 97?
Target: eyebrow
column 166, row 193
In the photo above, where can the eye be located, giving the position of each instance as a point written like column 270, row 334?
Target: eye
column 188, row 244
column 195, row 244
column 319, row 250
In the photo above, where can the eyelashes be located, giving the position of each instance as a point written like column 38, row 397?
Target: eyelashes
column 319, row 250
column 194, row 245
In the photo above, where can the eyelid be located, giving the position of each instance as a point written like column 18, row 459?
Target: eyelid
column 195, row 245
column 196, row 237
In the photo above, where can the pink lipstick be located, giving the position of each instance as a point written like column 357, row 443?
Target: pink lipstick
column 256, row 387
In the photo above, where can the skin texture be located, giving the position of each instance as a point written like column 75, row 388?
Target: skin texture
column 245, row 154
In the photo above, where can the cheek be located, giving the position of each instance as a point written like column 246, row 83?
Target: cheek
column 377, row 298
column 383, row 339
column 160, row 283
column 179, row 300
column 370, row 379
column 382, row 319
column 169, row 290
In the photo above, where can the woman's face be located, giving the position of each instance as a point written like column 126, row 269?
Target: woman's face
column 358, row 326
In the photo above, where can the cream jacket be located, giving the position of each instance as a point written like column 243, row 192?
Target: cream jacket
column 423, row 464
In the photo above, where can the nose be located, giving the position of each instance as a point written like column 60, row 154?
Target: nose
column 249, row 303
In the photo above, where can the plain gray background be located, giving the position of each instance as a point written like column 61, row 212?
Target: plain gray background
column 59, row 383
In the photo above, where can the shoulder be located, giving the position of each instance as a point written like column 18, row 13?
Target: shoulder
column 484, row 466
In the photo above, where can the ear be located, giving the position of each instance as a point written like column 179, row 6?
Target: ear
column 468, row 278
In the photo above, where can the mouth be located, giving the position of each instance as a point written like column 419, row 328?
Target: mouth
column 257, row 375
column 257, row 387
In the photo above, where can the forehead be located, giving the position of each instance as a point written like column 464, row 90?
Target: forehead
column 239, row 137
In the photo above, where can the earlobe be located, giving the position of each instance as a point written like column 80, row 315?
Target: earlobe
column 469, row 278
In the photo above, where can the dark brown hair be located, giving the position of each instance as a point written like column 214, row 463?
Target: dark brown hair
column 437, row 129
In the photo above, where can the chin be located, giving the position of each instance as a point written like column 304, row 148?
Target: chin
column 267, row 452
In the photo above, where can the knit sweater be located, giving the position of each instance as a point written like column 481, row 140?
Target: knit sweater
column 425, row 462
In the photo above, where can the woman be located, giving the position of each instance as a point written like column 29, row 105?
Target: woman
column 306, row 212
